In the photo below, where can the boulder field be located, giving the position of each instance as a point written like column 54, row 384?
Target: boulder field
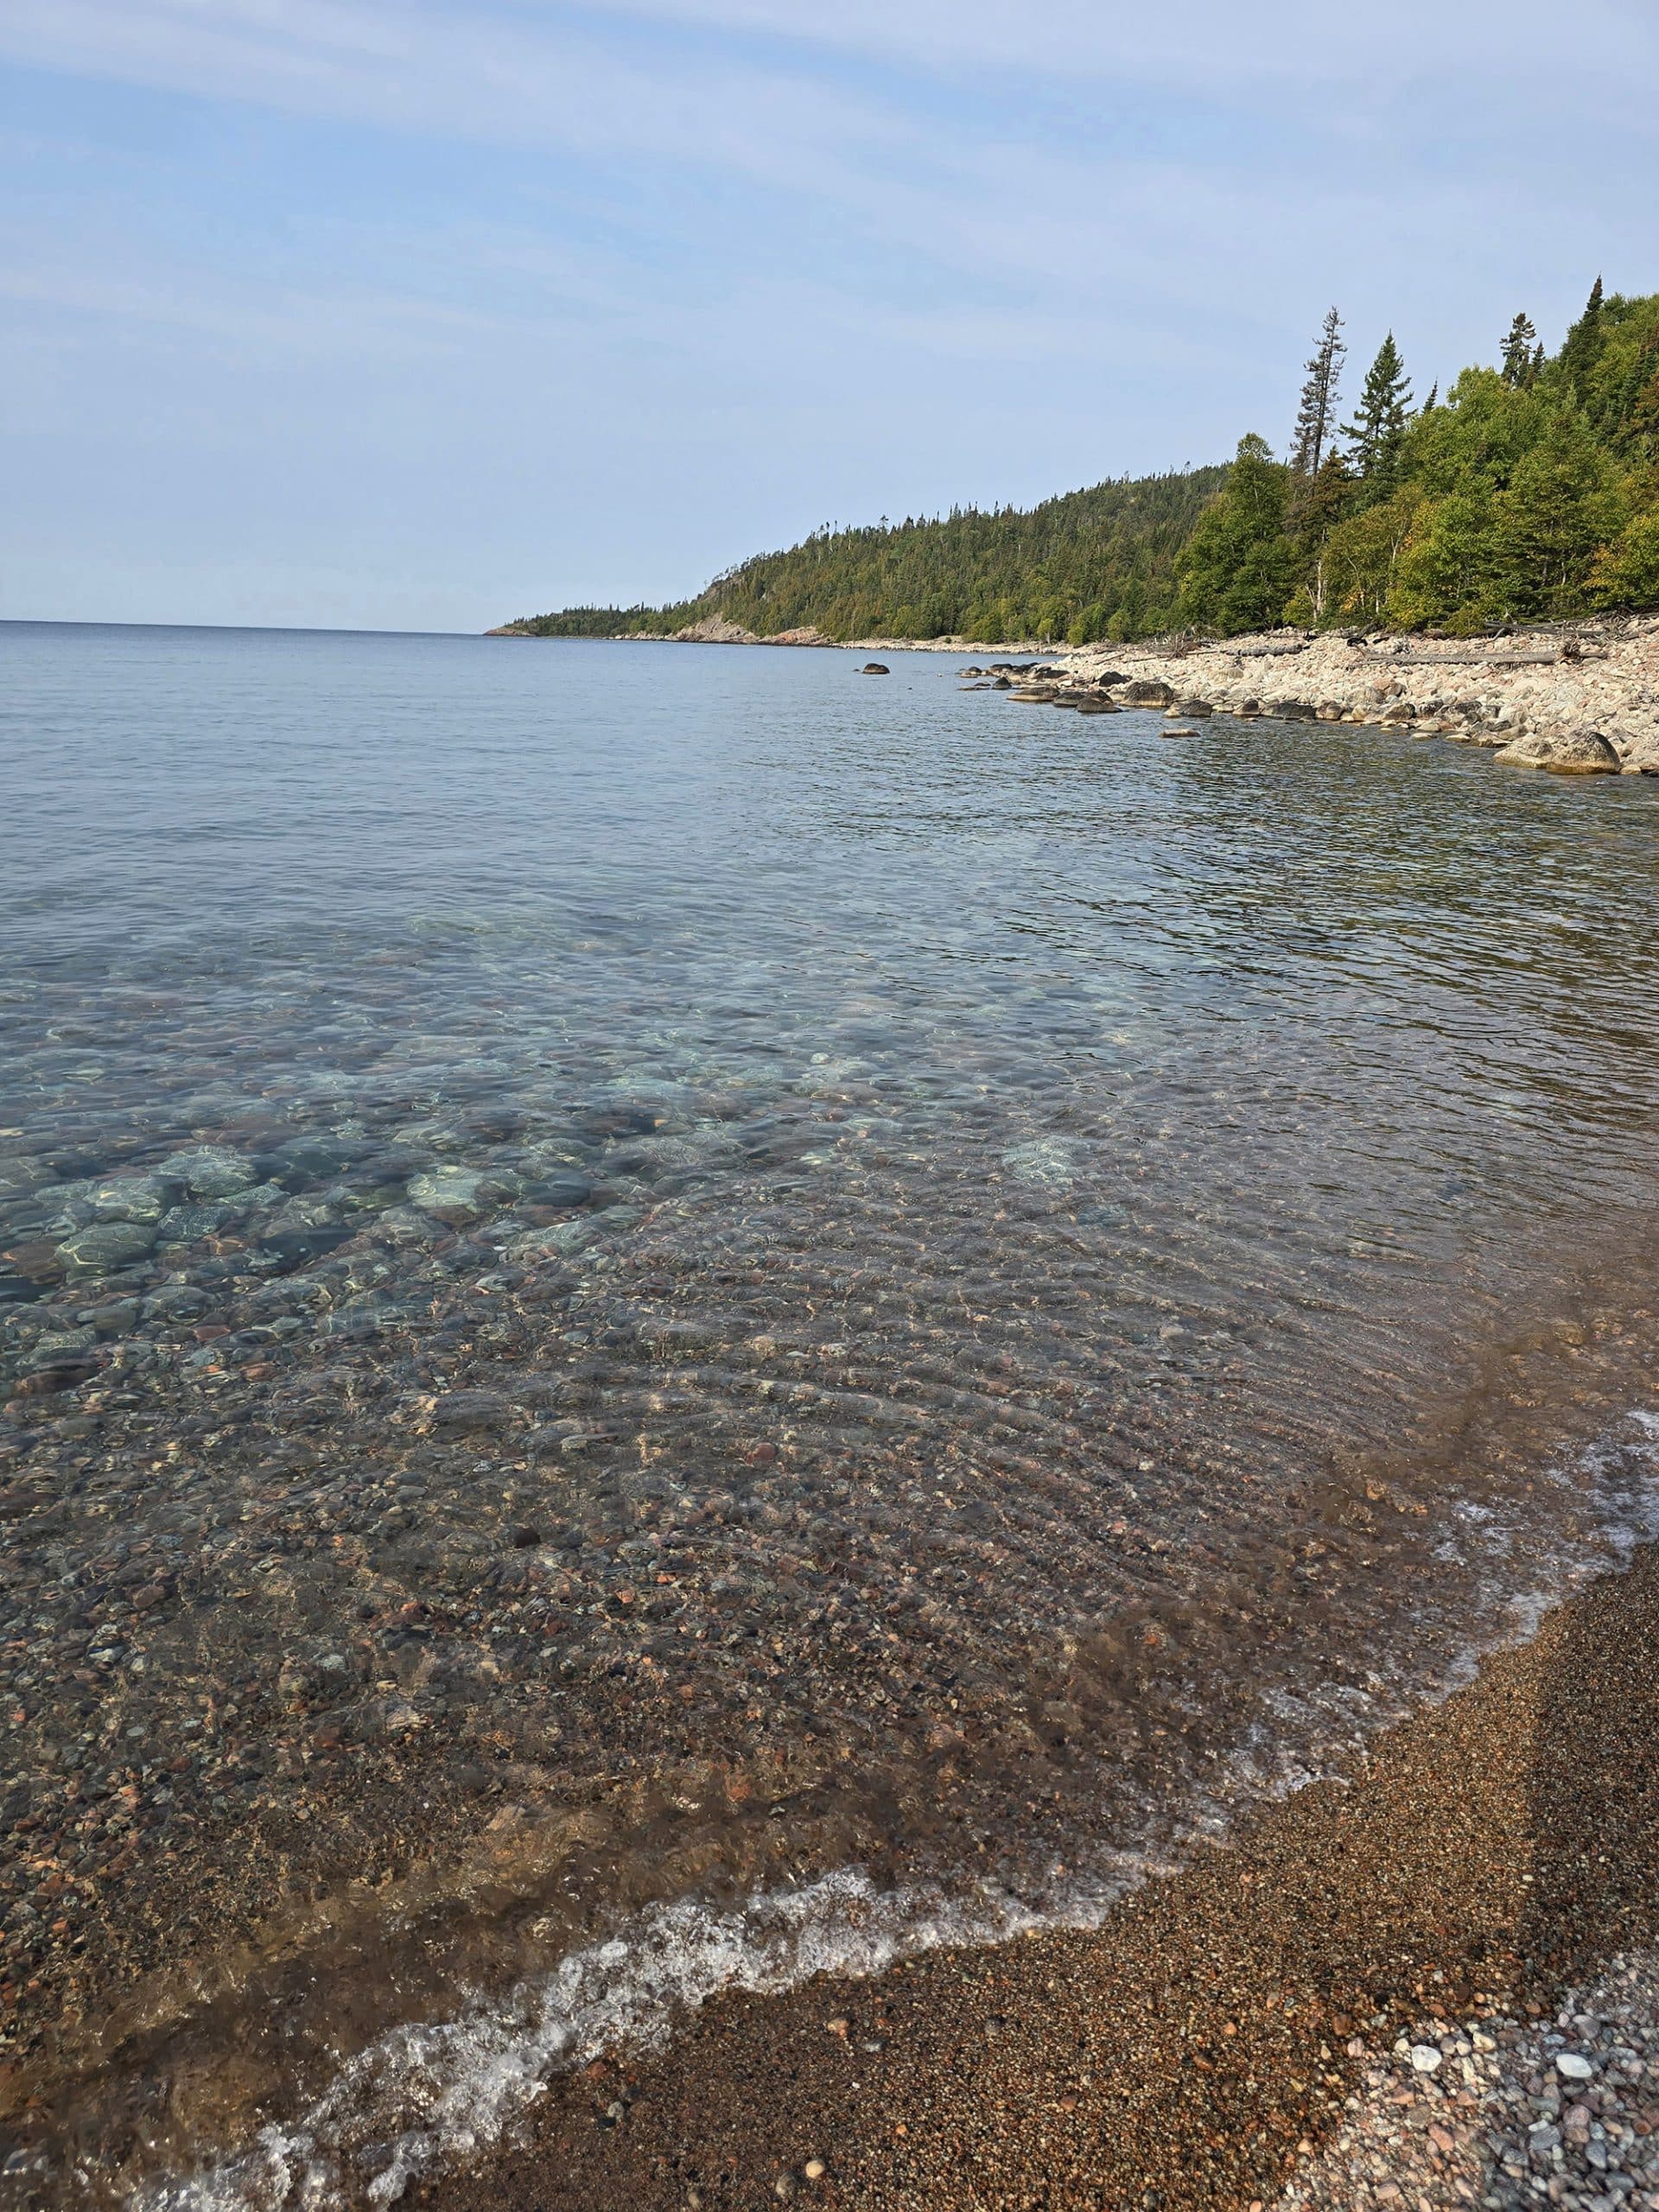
column 1577, row 701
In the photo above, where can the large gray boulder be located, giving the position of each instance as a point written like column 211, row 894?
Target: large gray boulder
column 1562, row 753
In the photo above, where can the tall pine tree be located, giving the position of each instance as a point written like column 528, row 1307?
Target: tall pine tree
column 1317, row 419
column 1378, row 429
column 1519, row 352
column 1584, row 342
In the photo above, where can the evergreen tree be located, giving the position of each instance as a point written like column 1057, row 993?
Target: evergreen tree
column 1519, row 355
column 1553, row 518
column 1378, row 429
column 1584, row 342
column 1318, row 414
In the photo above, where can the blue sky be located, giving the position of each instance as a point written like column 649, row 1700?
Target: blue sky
column 356, row 312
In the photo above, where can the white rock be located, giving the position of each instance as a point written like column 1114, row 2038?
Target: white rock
column 1573, row 2067
column 1425, row 2057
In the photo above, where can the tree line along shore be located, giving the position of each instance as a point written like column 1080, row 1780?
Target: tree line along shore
column 1528, row 491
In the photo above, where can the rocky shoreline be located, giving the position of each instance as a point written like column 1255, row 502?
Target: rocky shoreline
column 1583, row 700
column 1574, row 698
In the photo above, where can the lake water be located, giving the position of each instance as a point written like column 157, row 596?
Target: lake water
column 672, row 1315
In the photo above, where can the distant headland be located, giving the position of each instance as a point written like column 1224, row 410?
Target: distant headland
column 1528, row 492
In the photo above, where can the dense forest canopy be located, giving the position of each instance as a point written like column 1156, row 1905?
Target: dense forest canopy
column 1529, row 491
column 1091, row 564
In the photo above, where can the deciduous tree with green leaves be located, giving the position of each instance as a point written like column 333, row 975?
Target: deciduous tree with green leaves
column 1240, row 564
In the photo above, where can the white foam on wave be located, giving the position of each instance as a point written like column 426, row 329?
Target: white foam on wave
column 431, row 2093
column 434, row 2094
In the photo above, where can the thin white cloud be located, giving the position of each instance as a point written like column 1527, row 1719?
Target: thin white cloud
column 502, row 70
column 1196, row 45
column 471, row 73
column 790, row 261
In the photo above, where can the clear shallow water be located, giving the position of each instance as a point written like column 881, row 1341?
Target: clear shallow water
column 639, row 1275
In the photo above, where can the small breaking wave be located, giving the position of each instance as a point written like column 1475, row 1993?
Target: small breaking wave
column 431, row 2095
column 428, row 2095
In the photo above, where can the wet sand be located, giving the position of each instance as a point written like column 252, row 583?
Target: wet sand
column 1489, row 1855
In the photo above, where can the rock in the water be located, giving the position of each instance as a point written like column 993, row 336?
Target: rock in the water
column 1147, row 691
column 456, row 1411
column 210, row 1171
column 132, row 1198
column 459, row 1193
column 1562, row 753
column 104, row 1247
column 1193, row 709
column 876, row 668
column 186, row 1225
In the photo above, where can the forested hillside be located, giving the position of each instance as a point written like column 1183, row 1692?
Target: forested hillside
column 1091, row 564
column 1529, row 491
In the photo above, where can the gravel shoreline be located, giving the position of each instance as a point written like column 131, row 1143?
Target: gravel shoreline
column 1559, row 2110
column 1241, row 2033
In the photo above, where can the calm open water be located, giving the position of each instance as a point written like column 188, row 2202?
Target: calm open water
column 673, row 1316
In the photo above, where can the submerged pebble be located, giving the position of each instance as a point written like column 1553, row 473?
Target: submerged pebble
column 746, row 1365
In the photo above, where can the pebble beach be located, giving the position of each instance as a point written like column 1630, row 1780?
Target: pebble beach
column 1427, row 1983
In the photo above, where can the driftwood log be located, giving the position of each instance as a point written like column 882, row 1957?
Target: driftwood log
column 1531, row 659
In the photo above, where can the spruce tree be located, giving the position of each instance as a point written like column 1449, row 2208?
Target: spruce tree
column 1584, row 342
column 1378, row 429
column 1518, row 351
column 1318, row 415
